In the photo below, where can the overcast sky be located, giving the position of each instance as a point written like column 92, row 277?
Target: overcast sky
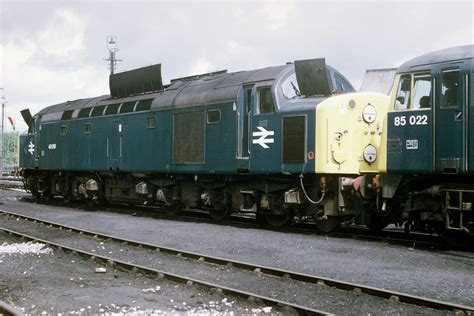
column 53, row 51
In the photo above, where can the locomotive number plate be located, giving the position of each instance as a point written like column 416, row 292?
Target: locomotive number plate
column 410, row 120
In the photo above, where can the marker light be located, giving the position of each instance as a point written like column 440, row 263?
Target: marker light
column 370, row 153
column 369, row 114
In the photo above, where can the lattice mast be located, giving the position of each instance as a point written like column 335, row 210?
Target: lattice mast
column 113, row 49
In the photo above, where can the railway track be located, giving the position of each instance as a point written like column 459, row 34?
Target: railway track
column 8, row 310
column 281, row 275
column 11, row 183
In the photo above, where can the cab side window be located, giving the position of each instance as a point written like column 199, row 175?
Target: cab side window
column 265, row 100
column 402, row 101
column 450, row 87
column 290, row 87
column 422, row 91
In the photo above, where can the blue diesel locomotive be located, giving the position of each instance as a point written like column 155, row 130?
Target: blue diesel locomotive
column 429, row 184
column 248, row 141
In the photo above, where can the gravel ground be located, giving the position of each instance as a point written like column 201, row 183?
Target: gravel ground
column 58, row 282
column 446, row 276
column 316, row 296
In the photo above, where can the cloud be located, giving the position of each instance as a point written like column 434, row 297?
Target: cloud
column 202, row 65
column 44, row 67
column 63, row 36
column 276, row 15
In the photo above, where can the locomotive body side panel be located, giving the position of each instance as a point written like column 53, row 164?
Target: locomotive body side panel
column 409, row 145
column 220, row 131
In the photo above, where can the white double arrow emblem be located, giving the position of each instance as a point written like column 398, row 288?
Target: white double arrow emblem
column 263, row 140
column 31, row 147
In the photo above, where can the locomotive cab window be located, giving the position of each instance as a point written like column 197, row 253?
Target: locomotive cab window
column 402, row 101
column 450, row 88
column 422, row 91
column 265, row 100
column 290, row 87
column 213, row 116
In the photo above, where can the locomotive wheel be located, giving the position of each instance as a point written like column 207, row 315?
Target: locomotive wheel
column 91, row 202
column 67, row 193
column 67, row 197
column 329, row 224
column 279, row 218
column 377, row 224
column 47, row 195
column 220, row 213
column 33, row 186
column 173, row 210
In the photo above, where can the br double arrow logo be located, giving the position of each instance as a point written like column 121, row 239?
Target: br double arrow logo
column 31, row 147
column 262, row 138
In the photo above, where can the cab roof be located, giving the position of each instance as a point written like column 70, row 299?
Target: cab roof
column 453, row 54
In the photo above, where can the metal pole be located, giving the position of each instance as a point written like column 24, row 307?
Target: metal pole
column 2, row 151
column 112, row 62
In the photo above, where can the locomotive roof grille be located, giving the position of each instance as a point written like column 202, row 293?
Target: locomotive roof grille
column 194, row 77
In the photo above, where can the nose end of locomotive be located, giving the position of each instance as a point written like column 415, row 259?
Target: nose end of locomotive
column 351, row 134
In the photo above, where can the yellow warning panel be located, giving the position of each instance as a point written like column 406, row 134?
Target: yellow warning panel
column 351, row 134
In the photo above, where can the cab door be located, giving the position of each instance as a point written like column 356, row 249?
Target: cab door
column 450, row 116
column 410, row 126
column 244, row 114
column 114, row 145
column 265, row 148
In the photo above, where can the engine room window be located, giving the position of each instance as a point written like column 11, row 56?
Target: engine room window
column 422, row 91
column 112, row 109
column 98, row 110
column 84, row 112
column 63, row 130
column 290, row 87
column 88, row 128
column 213, row 116
column 265, row 100
column 151, row 122
column 144, row 105
column 450, row 87
column 402, row 102
column 127, row 107
column 67, row 115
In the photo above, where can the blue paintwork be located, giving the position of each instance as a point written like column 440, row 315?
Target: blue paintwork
column 122, row 142
column 402, row 154
column 448, row 136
